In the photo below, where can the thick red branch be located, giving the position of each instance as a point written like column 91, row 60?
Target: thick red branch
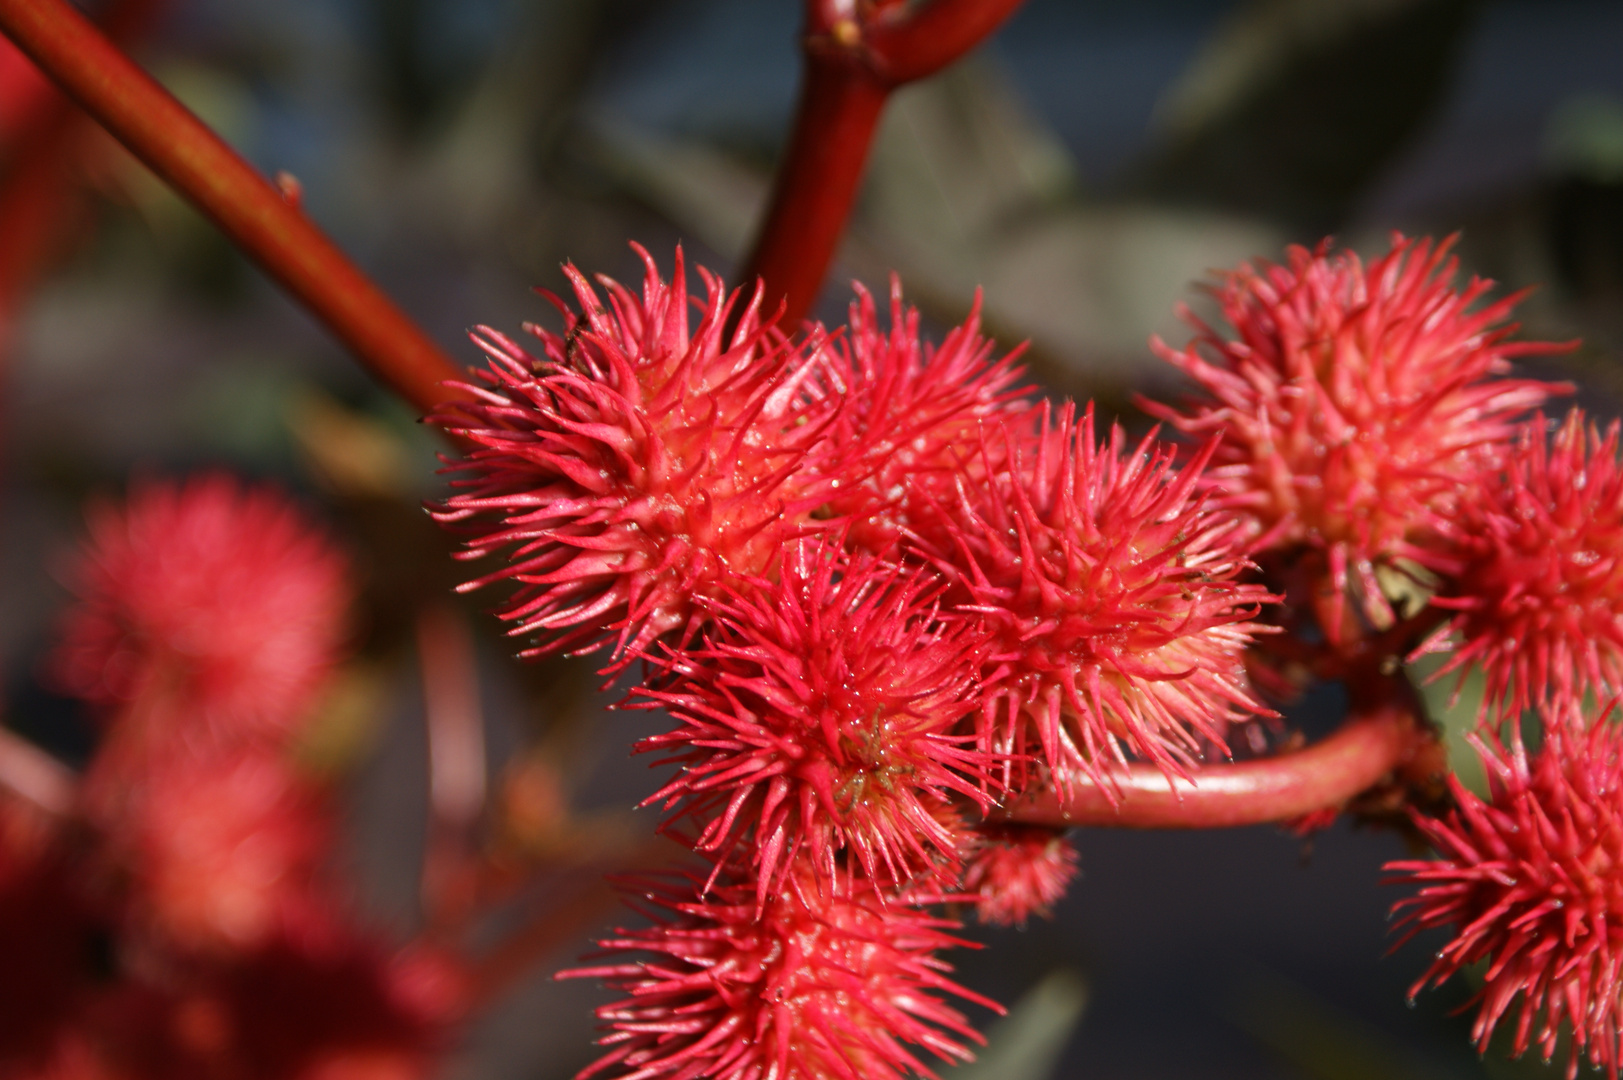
column 853, row 62
column 183, row 151
column 1377, row 740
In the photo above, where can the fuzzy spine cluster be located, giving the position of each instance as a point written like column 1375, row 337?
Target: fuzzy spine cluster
column 878, row 589
column 1529, row 881
column 1371, row 435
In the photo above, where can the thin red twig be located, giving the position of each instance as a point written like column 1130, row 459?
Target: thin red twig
column 184, row 152
column 456, row 760
column 25, row 94
column 569, row 909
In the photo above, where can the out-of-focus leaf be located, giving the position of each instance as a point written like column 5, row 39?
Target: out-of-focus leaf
column 1583, row 152
column 957, row 159
column 1091, row 284
column 347, row 720
column 711, row 195
column 481, row 170
column 1457, row 716
column 1295, row 106
column 1584, row 138
column 965, row 190
column 1318, row 1039
column 239, row 408
column 349, row 452
column 1027, row 1043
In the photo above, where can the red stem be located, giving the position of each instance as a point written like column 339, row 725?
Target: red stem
column 856, row 54
column 557, row 924
column 184, row 152
column 568, row 913
column 456, row 762
column 1378, row 738
column 840, row 104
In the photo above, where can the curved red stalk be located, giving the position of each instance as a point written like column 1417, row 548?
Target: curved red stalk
column 856, row 54
column 1379, row 736
column 178, row 147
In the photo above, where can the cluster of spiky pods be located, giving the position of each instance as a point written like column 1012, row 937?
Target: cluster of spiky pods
column 894, row 607
column 882, row 592
column 178, row 916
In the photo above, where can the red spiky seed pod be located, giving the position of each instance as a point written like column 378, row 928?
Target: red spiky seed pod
column 827, row 980
column 214, row 604
column 822, row 714
column 344, row 1007
column 1113, row 594
column 321, row 999
column 1356, row 404
column 217, row 851
column 910, row 413
column 1538, row 592
column 1016, row 871
column 1531, row 883
column 634, row 467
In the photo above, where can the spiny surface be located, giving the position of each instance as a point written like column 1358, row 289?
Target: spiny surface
column 825, row 982
column 910, row 411
column 1357, row 405
column 1114, row 597
column 634, row 467
column 1538, row 594
column 822, row 715
column 215, row 603
column 1016, row 871
column 1531, row 884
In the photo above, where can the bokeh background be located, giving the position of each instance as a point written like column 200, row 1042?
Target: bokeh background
column 1085, row 168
